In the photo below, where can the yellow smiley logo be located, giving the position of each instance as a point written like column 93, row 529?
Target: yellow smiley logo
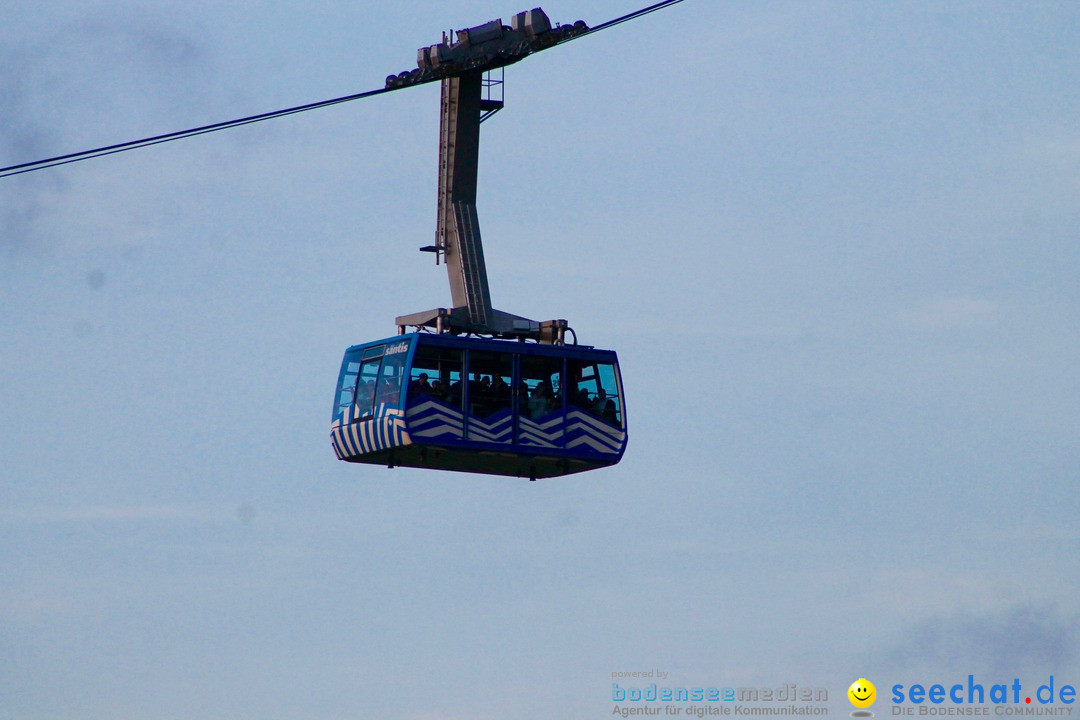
column 862, row 693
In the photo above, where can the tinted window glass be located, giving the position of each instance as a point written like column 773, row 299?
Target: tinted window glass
column 365, row 388
column 389, row 384
column 490, row 379
column 436, row 373
column 347, row 391
column 541, row 388
column 594, row 388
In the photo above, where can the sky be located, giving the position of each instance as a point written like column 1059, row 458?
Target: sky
column 835, row 245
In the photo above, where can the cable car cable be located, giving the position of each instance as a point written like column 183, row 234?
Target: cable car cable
column 625, row 18
column 214, row 127
column 178, row 135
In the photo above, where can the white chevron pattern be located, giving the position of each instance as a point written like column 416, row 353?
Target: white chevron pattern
column 499, row 430
column 433, row 419
column 577, row 432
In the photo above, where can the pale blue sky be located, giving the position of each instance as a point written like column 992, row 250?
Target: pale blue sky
column 835, row 244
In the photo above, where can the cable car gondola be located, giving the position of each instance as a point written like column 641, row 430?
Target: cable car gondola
column 479, row 405
column 476, row 389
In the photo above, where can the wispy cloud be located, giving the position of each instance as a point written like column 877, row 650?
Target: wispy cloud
column 943, row 313
column 1025, row 638
column 24, row 136
column 49, row 96
column 119, row 513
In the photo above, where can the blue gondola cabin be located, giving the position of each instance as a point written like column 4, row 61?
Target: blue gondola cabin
column 475, row 405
